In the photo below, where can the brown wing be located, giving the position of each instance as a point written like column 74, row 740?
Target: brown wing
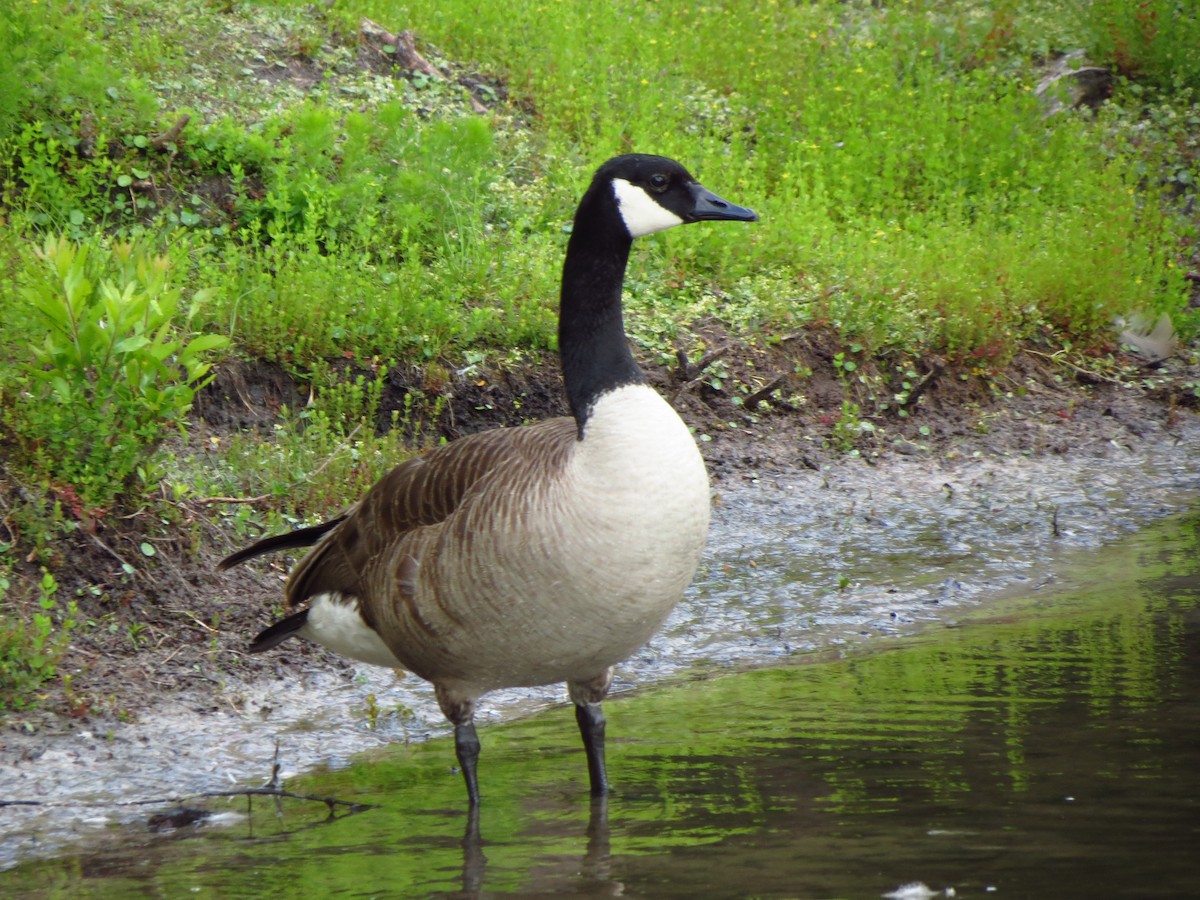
column 421, row 493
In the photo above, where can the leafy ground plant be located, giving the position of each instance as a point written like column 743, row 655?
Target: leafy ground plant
column 30, row 647
column 117, row 369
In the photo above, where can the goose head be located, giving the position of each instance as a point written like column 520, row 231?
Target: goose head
column 653, row 193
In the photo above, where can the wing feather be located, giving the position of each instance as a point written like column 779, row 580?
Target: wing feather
column 423, row 492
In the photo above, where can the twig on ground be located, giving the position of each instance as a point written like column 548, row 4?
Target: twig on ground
column 125, row 564
column 1088, row 375
column 259, row 499
column 171, row 135
column 275, row 767
column 926, row 380
column 1033, row 387
column 336, row 450
column 192, row 616
column 691, row 374
column 265, row 791
column 111, row 552
column 403, row 46
column 763, row 393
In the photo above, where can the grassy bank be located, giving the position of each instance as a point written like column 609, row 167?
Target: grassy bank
column 188, row 184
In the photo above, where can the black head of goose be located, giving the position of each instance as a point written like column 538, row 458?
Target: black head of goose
column 532, row 555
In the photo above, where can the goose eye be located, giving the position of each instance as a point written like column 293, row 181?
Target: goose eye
column 659, row 182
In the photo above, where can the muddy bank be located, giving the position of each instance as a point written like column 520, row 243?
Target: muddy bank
column 800, row 562
column 170, row 624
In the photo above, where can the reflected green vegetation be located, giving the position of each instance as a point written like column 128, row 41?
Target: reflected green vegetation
column 1047, row 748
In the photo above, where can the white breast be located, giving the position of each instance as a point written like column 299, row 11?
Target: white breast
column 641, row 484
column 585, row 569
column 640, row 467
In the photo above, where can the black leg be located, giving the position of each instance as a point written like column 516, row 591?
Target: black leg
column 466, row 748
column 591, row 726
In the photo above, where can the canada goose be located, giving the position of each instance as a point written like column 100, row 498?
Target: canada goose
column 538, row 554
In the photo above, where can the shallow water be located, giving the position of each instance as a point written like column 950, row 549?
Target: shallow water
column 1043, row 745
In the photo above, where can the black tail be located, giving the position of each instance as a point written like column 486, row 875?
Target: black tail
column 301, row 537
column 279, row 632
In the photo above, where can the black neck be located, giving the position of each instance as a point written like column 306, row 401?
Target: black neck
column 591, row 332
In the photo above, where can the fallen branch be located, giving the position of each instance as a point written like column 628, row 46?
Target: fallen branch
column 265, row 791
column 404, row 47
column 1087, row 375
column 111, row 552
column 259, row 499
column 751, row 402
column 336, row 450
column 171, row 135
column 1033, row 387
column 194, row 618
column 689, row 372
column 918, row 389
column 693, row 374
column 270, row 789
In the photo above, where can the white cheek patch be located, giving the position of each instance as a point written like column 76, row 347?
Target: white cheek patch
column 641, row 212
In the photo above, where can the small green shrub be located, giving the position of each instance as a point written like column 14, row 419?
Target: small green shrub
column 118, row 368
column 31, row 650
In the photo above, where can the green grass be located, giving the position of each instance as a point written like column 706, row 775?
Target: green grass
column 914, row 196
column 898, row 154
column 1153, row 41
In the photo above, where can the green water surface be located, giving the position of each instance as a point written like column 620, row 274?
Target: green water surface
column 1048, row 748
